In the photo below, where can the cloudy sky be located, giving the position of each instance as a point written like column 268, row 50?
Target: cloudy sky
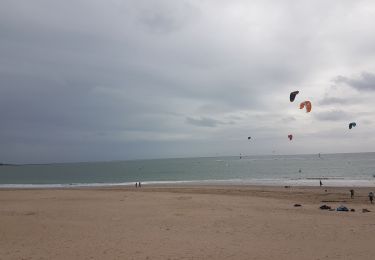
column 90, row 80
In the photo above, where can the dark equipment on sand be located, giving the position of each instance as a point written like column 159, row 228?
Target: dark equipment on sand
column 325, row 207
column 342, row 208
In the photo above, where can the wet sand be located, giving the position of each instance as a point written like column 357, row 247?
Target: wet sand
column 200, row 222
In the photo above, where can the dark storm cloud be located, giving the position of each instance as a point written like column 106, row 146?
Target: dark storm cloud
column 365, row 82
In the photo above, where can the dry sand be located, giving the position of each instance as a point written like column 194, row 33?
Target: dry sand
column 185, row 223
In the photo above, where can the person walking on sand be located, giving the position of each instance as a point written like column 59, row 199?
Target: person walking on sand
column 136, row 184
column 320, row 183
column 351, row 193
column 371, row 196
column 139, row 184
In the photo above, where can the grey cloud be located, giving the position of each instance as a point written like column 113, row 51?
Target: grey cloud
column 367, row 122
column 288, row 119
column 131, row 71
column 334, row 115
column 365, row 82
column 334, row 100
column 164, row 16
column 204, row 122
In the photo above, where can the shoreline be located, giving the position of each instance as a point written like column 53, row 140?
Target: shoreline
column 309, row 194
column 308, row 182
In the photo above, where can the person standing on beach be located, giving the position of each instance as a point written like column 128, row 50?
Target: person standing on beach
column 139, row 184
column 136, row 184
column 351, row 193
column 371, row 196
column 320, row 183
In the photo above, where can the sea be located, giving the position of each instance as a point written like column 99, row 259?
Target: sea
column 341, row 170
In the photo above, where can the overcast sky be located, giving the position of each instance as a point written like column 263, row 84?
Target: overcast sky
column 90, row 80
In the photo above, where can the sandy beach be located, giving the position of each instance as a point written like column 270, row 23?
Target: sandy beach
column 221, row 222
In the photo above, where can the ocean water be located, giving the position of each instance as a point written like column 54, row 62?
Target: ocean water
column 357, row 169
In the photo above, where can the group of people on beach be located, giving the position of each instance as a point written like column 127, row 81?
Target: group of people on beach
column 138, row 184
column 370, row 195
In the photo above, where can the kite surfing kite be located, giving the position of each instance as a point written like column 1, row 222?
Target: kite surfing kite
column 293, row 95
column 352, row 124
column 290, row 137
column 306, row 104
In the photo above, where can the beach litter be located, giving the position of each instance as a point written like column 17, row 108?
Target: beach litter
column 325, row 207
column 342, row 208
column 297, row 205
column 365, row 210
